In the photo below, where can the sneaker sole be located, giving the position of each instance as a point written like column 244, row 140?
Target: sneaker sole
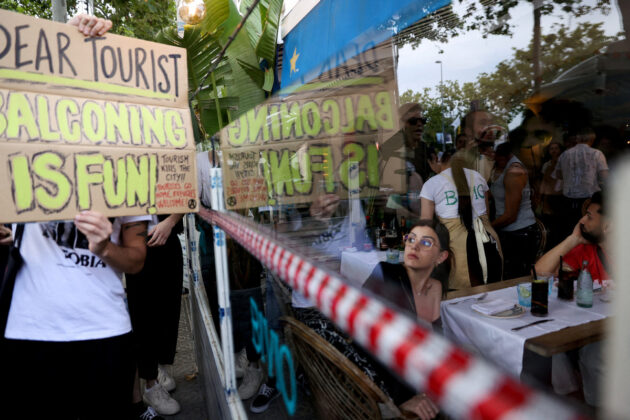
column 263, row 408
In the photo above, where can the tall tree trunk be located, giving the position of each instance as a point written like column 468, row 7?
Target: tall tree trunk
column 536, row 46
column 59, row 11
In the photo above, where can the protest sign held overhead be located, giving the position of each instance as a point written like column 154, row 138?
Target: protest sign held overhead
column 323, row 137
column 96, row 123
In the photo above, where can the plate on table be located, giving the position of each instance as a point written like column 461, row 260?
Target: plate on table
column 514, row 312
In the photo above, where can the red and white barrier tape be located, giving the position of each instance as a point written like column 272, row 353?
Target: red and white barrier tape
column 464, row 386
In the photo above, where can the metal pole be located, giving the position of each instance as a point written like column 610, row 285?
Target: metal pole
column 223, row 285
column 442, row 105
column 59, row 13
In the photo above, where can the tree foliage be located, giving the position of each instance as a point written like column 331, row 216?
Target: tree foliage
column 138, row 19
column 491, row 17
column 503, row 91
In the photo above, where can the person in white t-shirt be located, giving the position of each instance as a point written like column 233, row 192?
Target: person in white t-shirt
column 66, row 347
column 473, row 241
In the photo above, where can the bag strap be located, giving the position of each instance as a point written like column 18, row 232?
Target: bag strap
column 19, row 233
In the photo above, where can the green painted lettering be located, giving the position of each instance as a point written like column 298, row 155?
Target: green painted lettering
column 114, row 182
column 84, row 178
column 47, row 166
column 137, row 181
column 291, row 121
column 451, row 197
column 237, row 133
column 19, row 114
column 92, row 113
column 324, row 166
column 22, row 183
column 117, row 123
column 257, row 121
column 365, row 113
column 372, row 166
column 332, row 126
column 65, row 107
column 44, row 120
column 279, row 164
column 384, row 110
column 301, row 171
column 153, row 123
column 354, row 155
column 311, row 120
column 175, row 131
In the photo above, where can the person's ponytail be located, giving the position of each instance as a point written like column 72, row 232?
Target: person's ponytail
column 464, row 202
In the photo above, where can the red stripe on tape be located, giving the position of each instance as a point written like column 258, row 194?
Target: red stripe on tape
column 401, row 353
column 287, row 267
column 341, row 292
column 322, row 286
column 273, row 254
column 455, row 362
column 375, row 330
column 504, row 398
column 358, row 307
column 307, row 280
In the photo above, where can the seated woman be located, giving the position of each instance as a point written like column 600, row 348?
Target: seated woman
column 416, row 287
column 419, row 284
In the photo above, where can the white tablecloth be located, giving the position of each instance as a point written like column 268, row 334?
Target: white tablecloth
column 357, row 266
column 493, row 339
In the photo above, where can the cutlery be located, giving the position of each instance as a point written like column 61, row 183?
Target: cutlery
column 540, row 321
column 479, row 298
column 506, row 312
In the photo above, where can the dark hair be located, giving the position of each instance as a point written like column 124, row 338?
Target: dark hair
column 464, row 203
column 598, row 198
column 442, row 271
column 503, row 150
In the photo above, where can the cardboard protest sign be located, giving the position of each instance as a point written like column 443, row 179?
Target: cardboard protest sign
column 317, row 139
column 91, row 123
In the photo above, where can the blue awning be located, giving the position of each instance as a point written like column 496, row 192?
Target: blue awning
column 336, row 30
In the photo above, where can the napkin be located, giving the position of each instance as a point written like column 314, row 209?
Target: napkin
column 493, row 306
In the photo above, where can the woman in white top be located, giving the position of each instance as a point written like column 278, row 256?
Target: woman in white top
column 464, row 212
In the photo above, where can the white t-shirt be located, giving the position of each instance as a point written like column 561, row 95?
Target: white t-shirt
column 442, row 191
column 63, row 292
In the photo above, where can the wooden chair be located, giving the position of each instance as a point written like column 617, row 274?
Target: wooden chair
column 340, row 389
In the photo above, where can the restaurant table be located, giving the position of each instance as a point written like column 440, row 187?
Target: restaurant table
column 572, row 327
column 357, row 266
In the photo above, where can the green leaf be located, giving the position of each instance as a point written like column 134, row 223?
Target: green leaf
column 266, row 46
column 254, row 72
column 253, row 25
column 217, row 13
column 268, row 85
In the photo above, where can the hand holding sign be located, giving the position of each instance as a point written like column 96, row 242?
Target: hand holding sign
column 96, row 228
column 91, row 25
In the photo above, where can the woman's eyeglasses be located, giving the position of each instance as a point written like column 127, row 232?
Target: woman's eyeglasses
column 425, row 242
column 414, row 120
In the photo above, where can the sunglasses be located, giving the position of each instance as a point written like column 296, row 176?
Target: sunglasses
column 414, row 120
column 425, row 242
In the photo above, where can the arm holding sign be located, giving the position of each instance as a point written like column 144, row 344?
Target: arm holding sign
column 161, row 232
column 127, row 257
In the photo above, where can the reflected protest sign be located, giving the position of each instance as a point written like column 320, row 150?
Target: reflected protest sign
column 91, row 123
column 324, row 137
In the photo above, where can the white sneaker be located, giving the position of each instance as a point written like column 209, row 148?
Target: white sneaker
column 251, row 382
column 240, row 363
column 165, row 379
column 158, row 398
